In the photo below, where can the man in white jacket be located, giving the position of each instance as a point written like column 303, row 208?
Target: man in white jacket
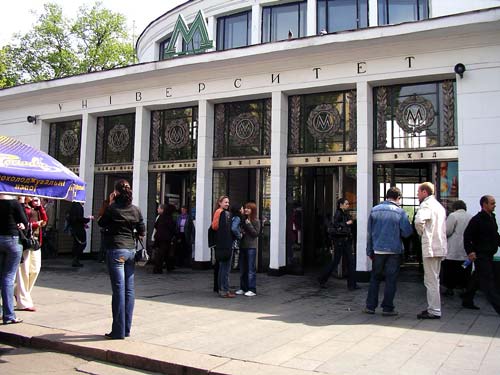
column 430, row 223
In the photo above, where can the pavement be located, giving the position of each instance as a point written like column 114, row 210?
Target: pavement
column 291, row 327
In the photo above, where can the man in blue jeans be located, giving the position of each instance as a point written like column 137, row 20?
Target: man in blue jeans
column 387, row 224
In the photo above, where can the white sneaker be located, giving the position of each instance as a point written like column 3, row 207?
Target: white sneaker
column 250, row 294
column 239, row 292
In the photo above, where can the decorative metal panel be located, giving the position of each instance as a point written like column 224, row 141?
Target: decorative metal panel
column 99, row 151
column 244, row 129
column 118, row 138
column 295, row 112
column 381, row 118
column 64, row 142
column 115, row 139
column 220, row 126
column 449, row 113
column 324, row 121
column 177, row 133
column 267, row 127
column 415, row 114
column 155, row 136
column 353, row 135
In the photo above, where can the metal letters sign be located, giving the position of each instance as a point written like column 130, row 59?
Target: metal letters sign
column 188, row 34
column 415, row 114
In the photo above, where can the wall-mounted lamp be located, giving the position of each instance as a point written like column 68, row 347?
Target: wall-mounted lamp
column 31, row 119
column 460, row 69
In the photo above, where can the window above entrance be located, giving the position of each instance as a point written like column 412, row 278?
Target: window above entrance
column 285, row 21
column 174, row 134
column 243, row 129
column 65, row 141
column 234, row 31
column 339, row 15
column 322, row 123
column 415, row 116
column 397, row 11
column 115, row 139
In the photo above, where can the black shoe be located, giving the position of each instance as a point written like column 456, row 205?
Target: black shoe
column 76, row 264
column 322, row 283
column 470, row 306
column 449, row 292
column 426, row 315
column 355, row 287
column 111, row 337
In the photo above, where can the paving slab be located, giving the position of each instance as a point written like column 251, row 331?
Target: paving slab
column 291, row 327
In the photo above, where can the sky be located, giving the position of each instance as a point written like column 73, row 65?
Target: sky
column 18, row 18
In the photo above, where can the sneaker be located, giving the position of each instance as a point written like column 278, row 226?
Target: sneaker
column 366, row 310
column 250, row 294
column 13, row 321
column 390, row 313
column 239, row 292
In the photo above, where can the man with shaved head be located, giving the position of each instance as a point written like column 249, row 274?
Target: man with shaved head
column 481, row 242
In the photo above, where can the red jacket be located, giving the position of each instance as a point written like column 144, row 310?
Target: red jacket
column 42, row 215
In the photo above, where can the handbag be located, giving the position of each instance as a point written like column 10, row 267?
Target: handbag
column 28, row 240
column 141, row 254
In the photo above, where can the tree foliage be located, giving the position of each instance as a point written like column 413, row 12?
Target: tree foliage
column 56, row 46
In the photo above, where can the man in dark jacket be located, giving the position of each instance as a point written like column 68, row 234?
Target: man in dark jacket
column 481, row 242
column 78, row 224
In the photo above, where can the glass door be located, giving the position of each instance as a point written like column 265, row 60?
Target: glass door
column 247, row 185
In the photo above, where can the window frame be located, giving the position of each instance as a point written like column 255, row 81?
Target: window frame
column 318, row 29
column 271, row 8
column 221, row 22
column 386, row 5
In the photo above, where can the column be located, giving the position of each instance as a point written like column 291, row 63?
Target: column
column 372, row 13
column 87, row 163
column 204, row 166
column 311, row 17
column 279, row 142
column 256, row 23
column 364, row 187
column 141, row 159
column 212, row 31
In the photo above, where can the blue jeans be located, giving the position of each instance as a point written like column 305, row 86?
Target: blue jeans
column 224, row 268
column 383, row 265
column 121, row 267
column 248, row 276
column 10, row 256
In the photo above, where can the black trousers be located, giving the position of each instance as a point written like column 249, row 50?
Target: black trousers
column 342, row 249
column 484, row 278
column 79, row 243
column 454, row 275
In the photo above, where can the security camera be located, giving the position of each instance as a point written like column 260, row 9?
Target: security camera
column 460, row 69
column 31, row 119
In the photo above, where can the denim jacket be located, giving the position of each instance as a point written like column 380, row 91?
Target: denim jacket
column 387, row 224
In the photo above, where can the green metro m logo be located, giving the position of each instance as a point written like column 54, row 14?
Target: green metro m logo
column 188, row 34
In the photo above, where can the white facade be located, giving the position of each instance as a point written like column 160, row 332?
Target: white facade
column 360, row 60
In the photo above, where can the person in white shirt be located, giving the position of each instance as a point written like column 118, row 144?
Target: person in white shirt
column 430, row 223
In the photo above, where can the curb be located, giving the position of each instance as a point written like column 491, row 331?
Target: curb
column 124, row 353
